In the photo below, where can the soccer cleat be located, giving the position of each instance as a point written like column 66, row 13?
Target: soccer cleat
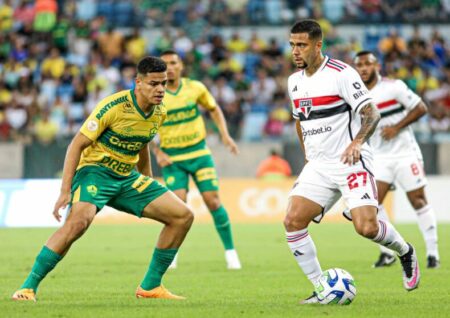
column 411, row 272
column 24, row 294
column 158, row 292
column 232, row 259
column 310, row 300
column 384, row 260
column 433, row 262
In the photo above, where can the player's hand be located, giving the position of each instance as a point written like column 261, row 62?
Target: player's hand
column 352, row 154
column 230, row 144
column 61, row 203
column 163, row 159
column 389, row 132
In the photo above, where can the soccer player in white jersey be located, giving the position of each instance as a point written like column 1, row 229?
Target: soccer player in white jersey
column 397, row 156
column 335, row 116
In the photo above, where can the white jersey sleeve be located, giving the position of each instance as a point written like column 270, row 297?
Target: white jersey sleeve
column 353, row 90
column 292, row 87
column 405, row 96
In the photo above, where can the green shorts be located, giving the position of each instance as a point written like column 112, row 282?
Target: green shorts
column 100, row 186
column 202, row 170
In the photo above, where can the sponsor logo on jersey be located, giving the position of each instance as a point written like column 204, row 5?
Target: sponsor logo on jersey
column 128, row 145
column 295, row 89
column 111, row 104
column 116, row 165
column 182, row 116
column 180, row 139
column 358, row 94
column 318, row 131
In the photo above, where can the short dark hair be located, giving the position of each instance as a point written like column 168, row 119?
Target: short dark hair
column 169, row 52
column 365, row 52
column 308, row 26
column 151, row 64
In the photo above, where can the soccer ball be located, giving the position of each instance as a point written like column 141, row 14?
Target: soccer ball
column 336, row 286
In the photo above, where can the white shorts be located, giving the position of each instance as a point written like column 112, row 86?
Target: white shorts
column 326, row 183
column 408, row 172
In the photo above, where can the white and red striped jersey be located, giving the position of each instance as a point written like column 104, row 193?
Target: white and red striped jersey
column 394, row 99
column 326, row 104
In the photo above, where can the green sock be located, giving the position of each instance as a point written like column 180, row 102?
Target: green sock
column 223, row 227
column 161, row 260
column 45, row 262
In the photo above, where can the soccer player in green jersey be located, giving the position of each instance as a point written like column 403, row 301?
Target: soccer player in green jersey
column 183, row 151
column 99, row 170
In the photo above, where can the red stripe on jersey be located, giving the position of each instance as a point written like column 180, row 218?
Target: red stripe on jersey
column 317, row 101
column 387, row 103
column 338, row 63
column 333, row 67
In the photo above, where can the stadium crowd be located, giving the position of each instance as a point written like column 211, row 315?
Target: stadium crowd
column 59, row 58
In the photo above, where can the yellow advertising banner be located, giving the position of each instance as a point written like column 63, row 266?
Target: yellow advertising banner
column 246, row 200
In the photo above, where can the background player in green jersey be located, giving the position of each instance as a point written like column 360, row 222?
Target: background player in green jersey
column 99, row 170
column 183, row 151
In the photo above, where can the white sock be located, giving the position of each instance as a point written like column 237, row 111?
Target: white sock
column 304, row 251
column 382, row 215
column 389, row 237
column 428, row 226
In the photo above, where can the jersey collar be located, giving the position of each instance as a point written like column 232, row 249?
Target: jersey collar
column 139, row 110
column 178, row 89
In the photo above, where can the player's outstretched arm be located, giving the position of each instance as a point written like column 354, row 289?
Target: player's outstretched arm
column 219, row 119
column 73, row 155
column 369, row 120
column 418, row 111
column 144, row 165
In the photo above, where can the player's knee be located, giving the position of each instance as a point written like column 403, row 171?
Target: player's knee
column 185, row 218
column 418, row 202
column 368, row 229
column 214, row 204
column 76, row 228
column 294, row 223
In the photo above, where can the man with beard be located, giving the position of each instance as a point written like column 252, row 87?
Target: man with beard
column 335, row 116
column 397, row 155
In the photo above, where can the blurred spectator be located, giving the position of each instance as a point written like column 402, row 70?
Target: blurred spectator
column 392, row 43
column 274, row 167
column 110, row 43
column 45, row 130
column 135, row 45
column 94, row 46
column 236, row 11
column 45, row 17
column 6, row 16
column 24, row 14
column 53, row 66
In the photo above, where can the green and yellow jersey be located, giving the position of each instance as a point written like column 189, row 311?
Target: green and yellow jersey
column 119, row 129
column 182, row 135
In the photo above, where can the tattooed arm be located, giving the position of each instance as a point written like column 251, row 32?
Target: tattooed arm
column 369, row 120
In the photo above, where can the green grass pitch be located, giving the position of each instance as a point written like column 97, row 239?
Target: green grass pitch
column 99, row 275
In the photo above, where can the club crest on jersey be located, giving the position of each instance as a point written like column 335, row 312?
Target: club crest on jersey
column 305, row 106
